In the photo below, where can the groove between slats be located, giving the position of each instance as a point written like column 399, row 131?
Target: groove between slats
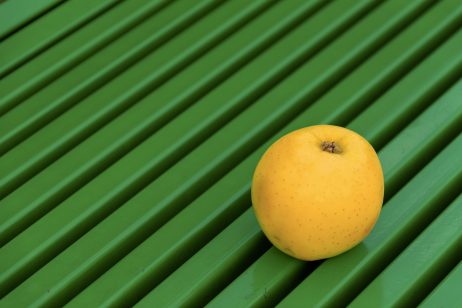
column 439, row 270
column 21, row 88
column 41, row 109
column 446, row 291
column 51, row 35
column 405, row 171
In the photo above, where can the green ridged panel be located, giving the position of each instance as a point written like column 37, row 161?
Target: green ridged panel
column 57, row 24
column 448, row 291
column 18, row 14
column 427, row 259
column 129, row 132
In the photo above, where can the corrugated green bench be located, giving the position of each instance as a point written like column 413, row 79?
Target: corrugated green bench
column 129, row 132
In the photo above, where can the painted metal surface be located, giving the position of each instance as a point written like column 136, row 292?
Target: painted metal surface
column 129, row 131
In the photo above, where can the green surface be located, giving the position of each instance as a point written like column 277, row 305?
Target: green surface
column 129, row 132
column 427, row 259
column 46, row 31
column 78, row 46
column 15, row 14
column 62, row 94
column 447, row 292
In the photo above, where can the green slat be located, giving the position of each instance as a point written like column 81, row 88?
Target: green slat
column 448, row 291
column 88, row 40
column 47, row 30
column 15, row 14
column 420, row 266
column 40, row 109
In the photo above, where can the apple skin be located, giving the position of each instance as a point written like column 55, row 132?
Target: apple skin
column 318, row 191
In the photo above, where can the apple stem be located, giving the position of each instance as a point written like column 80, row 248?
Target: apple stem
column 331, row 147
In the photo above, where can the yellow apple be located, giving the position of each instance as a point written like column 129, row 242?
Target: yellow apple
column 318, row 191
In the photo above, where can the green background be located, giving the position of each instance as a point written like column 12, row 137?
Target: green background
column 129, row 132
